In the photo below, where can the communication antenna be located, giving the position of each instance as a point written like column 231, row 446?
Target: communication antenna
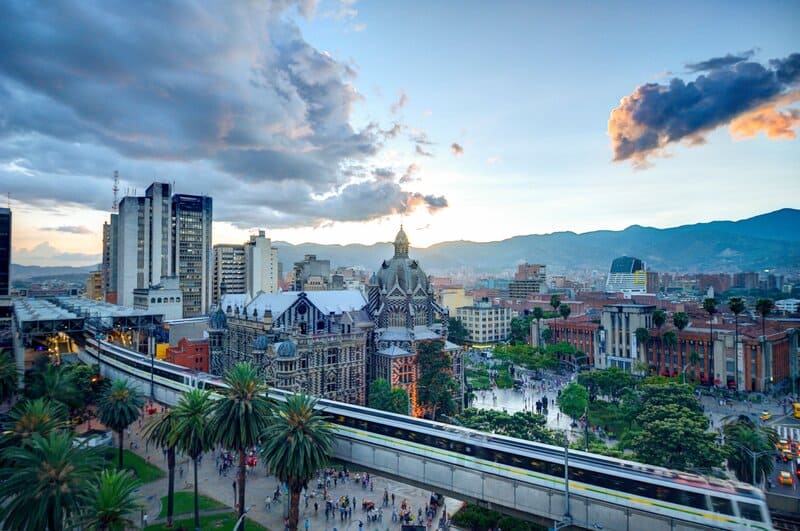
column 115, row 188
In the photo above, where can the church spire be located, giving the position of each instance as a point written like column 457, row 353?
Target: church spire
column 401, row 244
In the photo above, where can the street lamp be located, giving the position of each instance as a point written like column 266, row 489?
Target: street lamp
column 239, row 521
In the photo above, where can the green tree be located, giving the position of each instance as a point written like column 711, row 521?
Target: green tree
column 574, row 400
column 694, row 361
column 555, row 302
column 520, row 328
column 670, row 340
column 9, row 376
column 119, row 408
column 659, row 318
column 435, row 385
column 743, row 439
column 298, row 443
column 519, row 425
column 736, row 305
column 160, row 430
column 32, row 417
column 675, row 437
column 764, row 307
column 192, row 434
column 547, row 335
column 710, row 306
column 88, row 381
column 613, row 381
column 45, row 487
column 456, row 331
column 111, row 500
column 57, row 383
column 681, row 321
column 565, row 311
column 382, row 396
column 240, row 417
column 642, row 338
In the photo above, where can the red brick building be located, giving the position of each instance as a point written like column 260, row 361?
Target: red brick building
column 190, row 353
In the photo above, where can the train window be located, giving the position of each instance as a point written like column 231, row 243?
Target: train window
column 750, row 511
column 440, row 443
column 721, row 505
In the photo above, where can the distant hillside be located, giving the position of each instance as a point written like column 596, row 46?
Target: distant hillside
column 23, row 272
column 766, row 241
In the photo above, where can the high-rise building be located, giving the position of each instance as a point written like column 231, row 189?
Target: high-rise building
column 530, row 279
column 261, row 260
column 191, row 246
column 5, row 251
column 229, row 271
column 311, row 274
column 94, row 286
column 109, row 265
column 627, row 274
column 143, row 241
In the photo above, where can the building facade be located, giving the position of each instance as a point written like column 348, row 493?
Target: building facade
column 94, row 286
column 109, row 264
column 311, row 274
column 229, row 271
column 192, row 257
column 486, row 323
column 261, row 262
column 164, row 298
column 5, row 252
column 189, row 353
column 628, row 275
column 530, row 279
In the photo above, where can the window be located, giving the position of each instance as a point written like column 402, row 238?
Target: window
column 750, row 511
column 721, row 505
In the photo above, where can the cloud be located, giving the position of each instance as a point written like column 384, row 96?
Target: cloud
column 384, row 174
column 408, row 176
column 72, row 229
column 46, row 254
column 767, row 118
column 456, row 149
column 719, row 62
column 492, row 160
column 250, row 112
column 656, row 115
column 400, row 103
column 421, row 151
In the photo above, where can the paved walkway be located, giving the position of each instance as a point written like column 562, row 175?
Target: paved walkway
column 260, row 485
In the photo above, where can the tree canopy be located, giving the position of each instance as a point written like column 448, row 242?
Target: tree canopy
column 519, row 425
column 574, row 400
column 456, row 331
column 386, row 398
column 435, row 385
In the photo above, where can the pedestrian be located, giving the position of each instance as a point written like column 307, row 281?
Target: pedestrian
column 306, row 524
column 316, row 507
column 393, row 499
column 268, row 504
column 144, row 519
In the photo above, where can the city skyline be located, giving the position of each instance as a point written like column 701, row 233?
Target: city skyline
column 325, row 122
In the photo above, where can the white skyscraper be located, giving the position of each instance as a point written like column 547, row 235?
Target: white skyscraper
column 261, row 260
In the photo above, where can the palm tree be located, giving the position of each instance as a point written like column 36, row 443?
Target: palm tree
column 659, row 318
column 538, row 314
column 642, row 337
column 111, row 500
column 710, row 306
column 9, row 376
column 737, row 306
column 55, row 382
column 681, row 321
column 764, row 307
column 31, row 417
column 744, row 438
column 47, row 483
column 192, row 434
column 298, row 443
column 670, row 339
column 119, row 408
column 159, row 430
column 240, row 416
column 694, row 359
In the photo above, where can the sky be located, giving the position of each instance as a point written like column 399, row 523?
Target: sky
column 336, row 121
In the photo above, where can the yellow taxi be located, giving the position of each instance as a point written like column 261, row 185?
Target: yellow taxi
column 765, row 415
column 785, row 478
column 783, row 444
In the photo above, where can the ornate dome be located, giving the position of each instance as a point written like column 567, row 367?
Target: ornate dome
column 261, row 343
column 401, row 270
column 217, row 320
column 286, row 349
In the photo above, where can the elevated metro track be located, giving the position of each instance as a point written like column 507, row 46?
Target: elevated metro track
column 510, row 475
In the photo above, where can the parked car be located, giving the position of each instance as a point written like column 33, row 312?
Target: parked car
column 765, row 415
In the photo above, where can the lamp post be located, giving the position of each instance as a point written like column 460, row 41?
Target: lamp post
column 566, row 520
column 754, row 455
column 239, row 521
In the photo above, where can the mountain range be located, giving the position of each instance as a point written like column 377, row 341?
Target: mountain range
column 767, row 241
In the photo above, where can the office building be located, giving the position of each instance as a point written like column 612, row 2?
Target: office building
column 164, row 298
column 261, row 261
column 311, row 274
column 627, row 275
column 530, row 279
column 191, row 251
column 109, row 264
column 485, row 322
column 94, row 286
column 229, row 271
column 5, row 251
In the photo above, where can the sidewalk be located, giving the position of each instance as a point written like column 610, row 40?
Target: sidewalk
column 259, row 486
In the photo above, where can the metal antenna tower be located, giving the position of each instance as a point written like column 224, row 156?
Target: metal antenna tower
column 115, row 205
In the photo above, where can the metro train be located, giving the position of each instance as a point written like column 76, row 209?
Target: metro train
column 702, row 501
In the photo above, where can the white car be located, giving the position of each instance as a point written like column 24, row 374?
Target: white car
column 94, row 438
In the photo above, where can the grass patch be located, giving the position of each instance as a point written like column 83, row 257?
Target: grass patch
column 477, row 518
column 184, row 504
column 219, row 522
column 479, row 382
column 143, row 470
